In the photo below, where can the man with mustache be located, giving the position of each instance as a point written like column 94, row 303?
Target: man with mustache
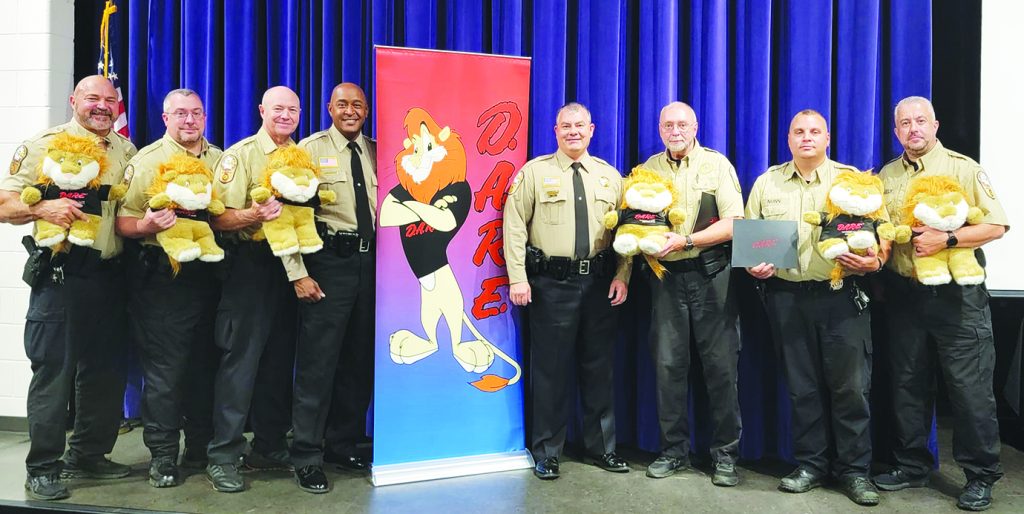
column 957, row 318
column 75, row 322
column 695, row 296
column 335, row 286
column 172, row 312
column 255, row 324
column 561, row 266
column 823, row 335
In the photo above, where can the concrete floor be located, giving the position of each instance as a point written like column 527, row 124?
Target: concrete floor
column 582, row 488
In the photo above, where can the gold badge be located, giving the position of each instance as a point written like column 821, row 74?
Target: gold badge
column 515, row 183
column 986, row 184
column 603, row 181
column 129, row 172
column 19, row 155
column 227, row 168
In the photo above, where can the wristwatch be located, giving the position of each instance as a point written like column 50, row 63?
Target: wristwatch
column 951, row 239
column 689, row 244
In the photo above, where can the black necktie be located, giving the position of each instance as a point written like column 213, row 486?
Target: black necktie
column 582, row 223
column 363, row 218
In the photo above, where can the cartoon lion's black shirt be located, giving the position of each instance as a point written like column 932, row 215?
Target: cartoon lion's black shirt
column 844, row 224
column 426, row 249
column 637, row 217
column 91, row 199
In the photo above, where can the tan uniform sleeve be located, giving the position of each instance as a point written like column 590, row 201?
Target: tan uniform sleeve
column 753, row 210
column 27, row 173
column 624, row 265
column 984, row 197
column 135, row 202
column 517, row 215
column 234, row 192
column 729, row 197
column 294, row 266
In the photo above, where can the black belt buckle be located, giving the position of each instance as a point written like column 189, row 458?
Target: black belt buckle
column 364, row 245
column 583, row 267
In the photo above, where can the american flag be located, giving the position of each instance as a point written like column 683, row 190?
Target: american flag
column 108, row 49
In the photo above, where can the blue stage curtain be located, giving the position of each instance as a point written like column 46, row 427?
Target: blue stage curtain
column 746, row 66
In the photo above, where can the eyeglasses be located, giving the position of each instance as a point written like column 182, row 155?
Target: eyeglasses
column 682, row 126
column 183, row 115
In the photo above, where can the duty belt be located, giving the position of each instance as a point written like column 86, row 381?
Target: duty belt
column 778, row 284
column 346, row 244
column 561, row 268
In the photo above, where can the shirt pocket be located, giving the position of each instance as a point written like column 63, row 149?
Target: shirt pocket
column 774, row 209
column 605, row 202
column 553, row 208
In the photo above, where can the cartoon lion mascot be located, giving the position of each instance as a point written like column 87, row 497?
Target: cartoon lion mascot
column 429, row 204
column 293, row 178
column 852, row 221
column 940, row 203
column 645, row 217
column 185, row 184
column 72, row 168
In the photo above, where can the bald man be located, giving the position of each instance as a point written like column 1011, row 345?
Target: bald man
column 75, row 320
column 335, row 288
column 695, row 298
column 256, row 317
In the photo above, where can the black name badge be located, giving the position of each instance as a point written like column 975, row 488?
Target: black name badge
column 770, row 241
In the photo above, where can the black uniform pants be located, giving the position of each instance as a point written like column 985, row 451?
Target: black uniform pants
column 173, row 318
column 689, row 307
column 335, row 347
column 572, row 325
column 959, row 321
column 74, row 335
column 825, row 350
column 255, row 328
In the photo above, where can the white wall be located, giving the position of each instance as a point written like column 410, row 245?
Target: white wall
column 36, row 74
column 1002, row 109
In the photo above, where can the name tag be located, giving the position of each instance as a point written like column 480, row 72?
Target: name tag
column 552, row 181
column 328, row 162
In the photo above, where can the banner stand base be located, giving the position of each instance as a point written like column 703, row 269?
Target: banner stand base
column 390, row 474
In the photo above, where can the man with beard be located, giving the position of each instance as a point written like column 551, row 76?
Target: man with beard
column 695, row 297
column 75, row 321
column 255, row 324
column 561, row 267
column 957, row 318
column 334, row 352
column 172, row 312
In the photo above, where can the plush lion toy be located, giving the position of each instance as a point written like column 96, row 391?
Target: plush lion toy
column 852, row 221
column 645, row 217
column 293, row 178
column 940, row 203
column 72, row 168
column 185, row 184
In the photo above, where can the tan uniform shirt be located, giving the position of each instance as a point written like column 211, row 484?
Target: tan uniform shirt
column 897, row 174
column 330, row 151
column 24, row 171
column 782, row 194
column 701, row 171
column 143, row 168
column 540, row 210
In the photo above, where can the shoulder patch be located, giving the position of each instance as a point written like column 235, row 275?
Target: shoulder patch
column 228, row 164
column 19, row 155
column 516, row 182
column 986, row 184
column 129, row 172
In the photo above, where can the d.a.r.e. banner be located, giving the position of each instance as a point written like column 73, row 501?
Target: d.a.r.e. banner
column 448, row 398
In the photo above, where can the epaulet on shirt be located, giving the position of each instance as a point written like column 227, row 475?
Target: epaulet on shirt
column 539, row 158
column 602, row 161
column 846, row 167
column 957, row 155
column 215, row 147
column 52, row 131
column 893, row 161
column 314, row 136
column 712, row 150
column 777, row 167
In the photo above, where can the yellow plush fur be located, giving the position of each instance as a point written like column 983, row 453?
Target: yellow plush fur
column 942, row 195
column 295, row 229
column 188, row 239
column 631, row 239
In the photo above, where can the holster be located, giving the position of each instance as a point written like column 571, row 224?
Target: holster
column 38, row 263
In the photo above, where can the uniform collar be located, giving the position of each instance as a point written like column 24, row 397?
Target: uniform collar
column 565, row 162
column 677, row 163
column 205, row 145
column 76, row 129
column 925, row 161
column 341, row 142
column 266, row 143
column 790, row 172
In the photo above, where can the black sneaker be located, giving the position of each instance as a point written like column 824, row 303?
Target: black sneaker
column 977, row 495
column 103, row 469
column 163, row 472
column 860, row 490
column 896, row 479
column 725, row 475
column 312, row 479
column 225, row 478
column 665, row 466
column 194, row 458
column 276, row 460
column 800, row 481
column 46, row 487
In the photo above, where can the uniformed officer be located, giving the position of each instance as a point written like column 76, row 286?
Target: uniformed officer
column 956, row 317
column 823, row 335
column 695, row 295
column 172, row 314
column 255, row 324
column 335, row 287
column 75, row 322
column 559, row 262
